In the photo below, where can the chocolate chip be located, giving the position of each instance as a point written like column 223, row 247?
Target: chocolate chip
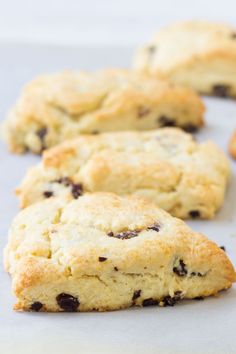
column 143, row 111
column 223, row 248
column 102, row 259
column 166, row 121
column 155, row 227
column 233, row 35
column 190, row 128
column 194, row 214
column 181, row 269
column 41, row 133
column 36, row 306
column 168, row 301
column 95, row 132
column 196, row 274
column 198, row 298
column 124, row 235
column 48, row 194
column 178, row 293
column 66, row 181
column 150, row 302
column 116, row 269
column 136, row 294
column 171, row 301
column 221, row 90
column 67, row 302
column 77, row 190
column 151, row 49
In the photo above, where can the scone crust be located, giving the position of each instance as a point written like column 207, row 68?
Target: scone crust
column 197, row 54
column 105, row 252
column 232, row 145
column 166, row 166
column 53, row 108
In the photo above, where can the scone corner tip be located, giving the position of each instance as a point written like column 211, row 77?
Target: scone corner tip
column 104, row 252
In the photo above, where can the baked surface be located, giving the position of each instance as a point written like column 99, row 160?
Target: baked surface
column 53, row 108
column 232, row 145
column 196, row 54
column 106, row 252
column 166, row 166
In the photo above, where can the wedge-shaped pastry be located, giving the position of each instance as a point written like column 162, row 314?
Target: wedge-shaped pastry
column 196, row 54
column 106, row 252
column 166, row 166
column 57, row 107
column 232, row 145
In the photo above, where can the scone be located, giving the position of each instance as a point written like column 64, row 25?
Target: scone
column 232, row 145
column 166, row 166
column 106, row 252
column 57, row 107
column 196, row 54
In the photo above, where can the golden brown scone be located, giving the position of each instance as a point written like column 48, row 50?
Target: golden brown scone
column 53, row 108
column 106, row 252
column 196, row 54
column 166, row 166
column 232, row 145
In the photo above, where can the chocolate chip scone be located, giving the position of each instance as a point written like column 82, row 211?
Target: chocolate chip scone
column 232, row 145
column 200, row 55
column 106, row 252
column 166, row 166
column 57, row 107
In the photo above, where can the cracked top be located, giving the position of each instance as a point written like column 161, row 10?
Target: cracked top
column 53, row 108
column 167, row 166
column 58, row 239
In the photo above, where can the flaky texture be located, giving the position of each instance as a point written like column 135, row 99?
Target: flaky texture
column 105, row 252
column 166, row 166
column 232, row 145
column 53, row 108
column 196, row 54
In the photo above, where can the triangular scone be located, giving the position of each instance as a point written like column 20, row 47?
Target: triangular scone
column 167, row 166
column 105, row 252
column 232, row 145
column 196, row 54
column 57, row 107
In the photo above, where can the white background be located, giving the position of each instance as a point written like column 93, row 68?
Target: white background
column 101, row 21
column 109, row 29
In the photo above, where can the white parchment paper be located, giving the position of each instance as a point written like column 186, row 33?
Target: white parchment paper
column 191, row 327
